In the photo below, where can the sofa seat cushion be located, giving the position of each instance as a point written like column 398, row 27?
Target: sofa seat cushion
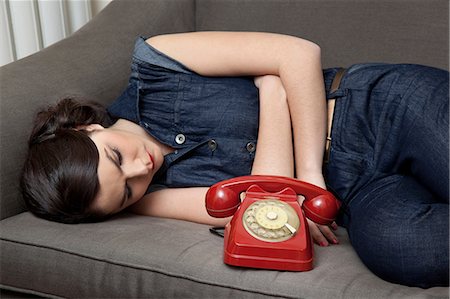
column 139, row 256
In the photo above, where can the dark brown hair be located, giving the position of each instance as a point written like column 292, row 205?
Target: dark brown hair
column 59, row 180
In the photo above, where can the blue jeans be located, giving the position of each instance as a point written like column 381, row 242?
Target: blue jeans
column 389, row 165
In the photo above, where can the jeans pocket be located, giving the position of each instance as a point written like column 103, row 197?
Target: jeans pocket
column 345, row 174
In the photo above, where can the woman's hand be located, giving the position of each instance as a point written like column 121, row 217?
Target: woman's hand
column 321, row 234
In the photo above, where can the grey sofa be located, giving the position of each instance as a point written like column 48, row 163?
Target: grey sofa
column 146, row 257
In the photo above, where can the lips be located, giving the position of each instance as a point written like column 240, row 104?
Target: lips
column 151, row 160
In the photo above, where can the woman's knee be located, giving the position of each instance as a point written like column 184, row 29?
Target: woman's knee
column 421, row 269
column 408, row 253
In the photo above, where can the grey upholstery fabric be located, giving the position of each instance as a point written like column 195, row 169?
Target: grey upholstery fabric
column 142, row 257
column 413, row 31
column 135, row 256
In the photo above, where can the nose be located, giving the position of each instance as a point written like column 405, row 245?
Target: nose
column 135, row 169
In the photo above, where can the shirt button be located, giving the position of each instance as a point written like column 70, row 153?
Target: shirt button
column 251, row 147
column 180, row 139
column 212, row 144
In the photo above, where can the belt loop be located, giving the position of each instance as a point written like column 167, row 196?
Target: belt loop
column 337, row 80
column 331, row 103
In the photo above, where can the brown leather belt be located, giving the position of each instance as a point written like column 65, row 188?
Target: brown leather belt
column 331, row 103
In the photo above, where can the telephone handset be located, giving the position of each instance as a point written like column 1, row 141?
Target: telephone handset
column 269, row 229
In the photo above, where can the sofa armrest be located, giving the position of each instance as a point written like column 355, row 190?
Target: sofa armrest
column 93, row 62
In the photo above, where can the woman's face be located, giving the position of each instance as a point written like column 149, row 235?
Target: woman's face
column 127, row 164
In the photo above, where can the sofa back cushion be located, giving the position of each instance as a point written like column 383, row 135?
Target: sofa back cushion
column 348, row 31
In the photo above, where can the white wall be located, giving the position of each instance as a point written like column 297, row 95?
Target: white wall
column 27, row 26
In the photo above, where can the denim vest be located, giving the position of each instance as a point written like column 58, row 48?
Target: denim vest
column 211, row 122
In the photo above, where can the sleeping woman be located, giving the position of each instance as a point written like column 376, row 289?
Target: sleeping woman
column 207, row 106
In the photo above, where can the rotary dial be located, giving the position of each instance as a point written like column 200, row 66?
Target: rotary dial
column 271, row 220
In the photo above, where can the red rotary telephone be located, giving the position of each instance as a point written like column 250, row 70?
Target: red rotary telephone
column 269, row 229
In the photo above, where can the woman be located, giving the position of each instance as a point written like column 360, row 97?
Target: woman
column 190, row 117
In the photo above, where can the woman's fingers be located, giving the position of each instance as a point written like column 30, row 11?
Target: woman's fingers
column 328, row 233
column 316, row 234
column 322, row 234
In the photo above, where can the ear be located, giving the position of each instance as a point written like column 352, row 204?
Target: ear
column 90, row 128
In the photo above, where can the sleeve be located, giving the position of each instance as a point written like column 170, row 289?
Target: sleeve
column 145, row 53
column 149, row 67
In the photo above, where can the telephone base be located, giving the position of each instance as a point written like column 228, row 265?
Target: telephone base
column 241, row 250
column 269, row 231
column 268, row 263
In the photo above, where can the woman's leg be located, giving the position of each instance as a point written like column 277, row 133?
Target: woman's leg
column 397, row 208
column 400, row 220
column 401, row 233
column 425, row 151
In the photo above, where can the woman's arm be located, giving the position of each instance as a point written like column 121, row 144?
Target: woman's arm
column 274, row 151
column 296, row 61
column 274, row 154
column 178, row 203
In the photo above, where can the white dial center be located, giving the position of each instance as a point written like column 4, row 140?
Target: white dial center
column 272, row 215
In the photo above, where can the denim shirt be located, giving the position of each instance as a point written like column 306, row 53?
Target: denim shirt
column 211, row 122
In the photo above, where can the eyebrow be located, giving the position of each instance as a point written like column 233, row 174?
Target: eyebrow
column 124, row 196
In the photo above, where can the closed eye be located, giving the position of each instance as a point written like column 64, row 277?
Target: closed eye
column 128, row 190
column 118, row 155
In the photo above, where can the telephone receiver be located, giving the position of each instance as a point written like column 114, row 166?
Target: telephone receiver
column 223, row 198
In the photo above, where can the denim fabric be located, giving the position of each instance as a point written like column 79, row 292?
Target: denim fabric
column 389, row 164
column 212, row 123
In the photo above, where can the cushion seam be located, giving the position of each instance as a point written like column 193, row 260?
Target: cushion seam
column 28, row 291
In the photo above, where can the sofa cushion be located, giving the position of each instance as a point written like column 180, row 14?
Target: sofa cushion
column 139, row 256
column 347, row 31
